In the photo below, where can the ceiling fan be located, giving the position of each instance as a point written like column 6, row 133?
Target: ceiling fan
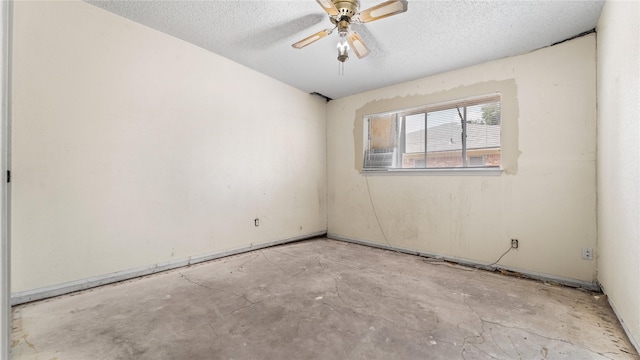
column 342, row 14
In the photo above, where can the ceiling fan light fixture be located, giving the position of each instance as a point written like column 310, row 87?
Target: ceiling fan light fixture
column 343, row 41
column 343, row 49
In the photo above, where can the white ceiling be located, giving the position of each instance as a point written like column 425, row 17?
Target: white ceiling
column 431, row 37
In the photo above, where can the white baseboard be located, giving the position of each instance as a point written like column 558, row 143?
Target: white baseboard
column 485, row 266
column 91, row 282
column 633, row 340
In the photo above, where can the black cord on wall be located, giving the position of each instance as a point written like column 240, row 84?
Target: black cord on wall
column 384, row 236
column 500, row 258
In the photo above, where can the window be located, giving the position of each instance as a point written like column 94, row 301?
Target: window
column 459, row 134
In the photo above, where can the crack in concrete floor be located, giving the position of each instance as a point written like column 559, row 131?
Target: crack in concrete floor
column 322, row 299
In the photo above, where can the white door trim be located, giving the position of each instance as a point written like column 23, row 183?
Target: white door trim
column 5, row 125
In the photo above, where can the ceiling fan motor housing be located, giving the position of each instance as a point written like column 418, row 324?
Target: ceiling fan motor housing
column 347, row 8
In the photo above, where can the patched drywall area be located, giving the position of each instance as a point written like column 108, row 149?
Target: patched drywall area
column 619, row 161
column 545, row 198
column 132, row 148
column 509, row 108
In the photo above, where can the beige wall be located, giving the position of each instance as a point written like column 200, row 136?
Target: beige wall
column 132, row 148
column 619, row 160
column 545, row 197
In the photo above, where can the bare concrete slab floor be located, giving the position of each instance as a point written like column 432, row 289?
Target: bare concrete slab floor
column 322, row 299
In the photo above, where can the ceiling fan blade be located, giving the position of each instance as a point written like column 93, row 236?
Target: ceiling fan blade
column 357, row 44
column 382, row 11
column 311, row 39
column 329, row 7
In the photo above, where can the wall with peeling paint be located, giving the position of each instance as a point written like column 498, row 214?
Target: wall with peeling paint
column 545, row 195
column 132, row 148
column 619, row 161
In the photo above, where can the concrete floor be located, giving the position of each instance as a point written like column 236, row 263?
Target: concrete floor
column 322, row 299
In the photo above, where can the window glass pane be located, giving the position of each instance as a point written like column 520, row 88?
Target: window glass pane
column 413, row 156
column 444, row 140
column 483, row 134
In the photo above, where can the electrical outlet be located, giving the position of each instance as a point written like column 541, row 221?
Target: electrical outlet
column 587, row 253
column 514, row 243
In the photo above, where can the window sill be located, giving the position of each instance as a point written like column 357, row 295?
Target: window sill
column 479, row 171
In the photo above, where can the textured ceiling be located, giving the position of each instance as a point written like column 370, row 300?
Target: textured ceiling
column 431, row 37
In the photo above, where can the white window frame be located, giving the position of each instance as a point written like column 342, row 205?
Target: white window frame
column 465, row 170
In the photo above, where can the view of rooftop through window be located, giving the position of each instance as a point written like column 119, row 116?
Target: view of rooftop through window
column 465, row 133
